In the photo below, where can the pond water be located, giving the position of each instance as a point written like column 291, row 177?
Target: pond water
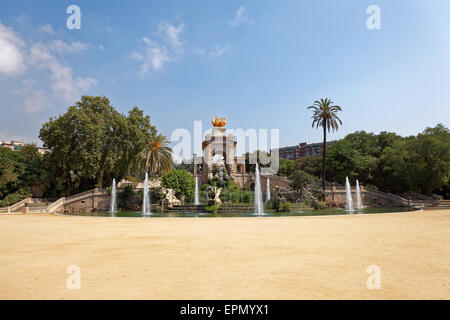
column 323, row 212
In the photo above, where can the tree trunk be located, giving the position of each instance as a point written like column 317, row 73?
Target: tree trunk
column 100, row 178
column 324, row 152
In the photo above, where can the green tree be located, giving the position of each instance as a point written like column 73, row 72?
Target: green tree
column 12, row 166
column 136, row 131
column 429, row 159
column 300, row 179
column 260, row 156
column 286, row 167
column 180, row 181
column 92, row 141
column 157, row 156
column 29, row 151
column 311, row 165
column 325, row 116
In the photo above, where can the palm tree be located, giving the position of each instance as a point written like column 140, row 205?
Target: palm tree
column 157, row 157
column 325, row 116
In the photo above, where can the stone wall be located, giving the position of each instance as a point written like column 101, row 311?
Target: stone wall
column 369, row 197
column 95, row 200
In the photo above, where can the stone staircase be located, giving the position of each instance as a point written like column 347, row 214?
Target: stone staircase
column 444, row 204
column 36, row 205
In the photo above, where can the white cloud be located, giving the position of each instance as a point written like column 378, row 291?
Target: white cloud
column 220, row 50
column 47, row 28
column 11, row 56
column 171, row 34
column 63, row 82
column 62, row 47
column 154, row 57
column 157, row 53
column 240, row 17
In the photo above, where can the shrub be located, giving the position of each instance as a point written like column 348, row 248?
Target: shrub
column 285, row 207
column 232, row 186
column 131, row 178
column 318, row 193
column 318, row 205
column 156, row 195
column 15, row 197
column 273, row 204
column 212, row 208
column 124, row 197
column 437, row 196
column 300, row 179
column 181, row 182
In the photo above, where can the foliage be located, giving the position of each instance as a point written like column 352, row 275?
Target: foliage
column 394, row 164
column 156, row 195
column 189, row 166
column 213, row 208
column 15, row 197
column 12, row 166
column 311, row 165
column 273, row 204
column 325, row 116
column 124, row 197
column 232, row 186
column 92, row 141
column 262, row 158
column 285, row 207
column 156, row 158
column 318, row 205
column 300, row 179
column 180, row 181
column 286, row 167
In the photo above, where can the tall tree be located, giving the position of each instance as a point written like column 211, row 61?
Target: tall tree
column 89, row 141
column 157, row 156
column 325, row 116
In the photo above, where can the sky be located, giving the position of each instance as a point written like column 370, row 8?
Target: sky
column 258, row 63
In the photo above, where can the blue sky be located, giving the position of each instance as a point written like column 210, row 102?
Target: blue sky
column 258, row 63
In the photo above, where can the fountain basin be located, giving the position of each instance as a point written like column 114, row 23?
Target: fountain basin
column 323, row 212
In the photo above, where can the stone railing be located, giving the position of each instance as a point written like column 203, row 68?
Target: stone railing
column 19, row 204
column 386, row 195
column 75, row 198
column 53, row 207
column 339, row 193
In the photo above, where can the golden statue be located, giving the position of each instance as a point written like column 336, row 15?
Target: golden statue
column 219, row 122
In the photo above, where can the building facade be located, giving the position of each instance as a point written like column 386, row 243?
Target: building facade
column 18, row 145
column 301, row 150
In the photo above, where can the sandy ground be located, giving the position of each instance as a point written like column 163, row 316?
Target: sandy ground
column 226, row 258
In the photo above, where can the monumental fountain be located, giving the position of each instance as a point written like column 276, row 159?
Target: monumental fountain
column 196, row 200
column 268, row 190
column 146, row 198
column 348, row 194
column 359, row 204
column 259, row 208
column 113, row 203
